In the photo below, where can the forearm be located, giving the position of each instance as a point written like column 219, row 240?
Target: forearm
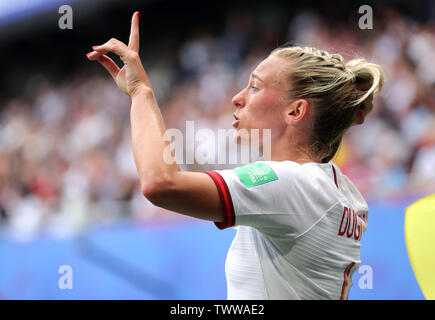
column 149, row 145
column 191, row 193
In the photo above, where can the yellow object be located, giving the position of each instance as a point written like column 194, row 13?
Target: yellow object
column 420, row 242
column 340, row 156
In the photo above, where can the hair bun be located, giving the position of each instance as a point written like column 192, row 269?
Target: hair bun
column 368, row 77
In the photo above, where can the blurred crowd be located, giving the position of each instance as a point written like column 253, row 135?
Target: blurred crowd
column 66, row 158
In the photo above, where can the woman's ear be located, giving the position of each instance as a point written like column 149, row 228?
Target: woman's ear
column 297, row 111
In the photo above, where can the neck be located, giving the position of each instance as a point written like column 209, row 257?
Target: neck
column 286, row 149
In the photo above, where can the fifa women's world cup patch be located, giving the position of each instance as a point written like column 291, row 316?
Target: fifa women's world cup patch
column 254, row 174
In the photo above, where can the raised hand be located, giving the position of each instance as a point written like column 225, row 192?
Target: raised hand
column 132, row 76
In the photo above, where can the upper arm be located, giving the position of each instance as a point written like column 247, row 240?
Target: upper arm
column 190, row 193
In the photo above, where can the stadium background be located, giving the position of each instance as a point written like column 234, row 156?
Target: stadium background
column 68, row 186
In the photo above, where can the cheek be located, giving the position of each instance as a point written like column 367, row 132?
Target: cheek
column 265, row 112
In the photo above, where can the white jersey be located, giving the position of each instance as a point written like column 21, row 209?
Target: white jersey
column 298, row 230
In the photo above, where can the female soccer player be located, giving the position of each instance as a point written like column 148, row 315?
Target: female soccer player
column 299, row 219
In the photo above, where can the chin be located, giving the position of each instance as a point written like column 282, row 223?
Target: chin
column 242, row 136
column 249, row 149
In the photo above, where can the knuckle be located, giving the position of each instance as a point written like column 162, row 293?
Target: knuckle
column 117, row 47
column 134, row 55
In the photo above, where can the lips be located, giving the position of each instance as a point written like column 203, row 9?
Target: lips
column 236, row 122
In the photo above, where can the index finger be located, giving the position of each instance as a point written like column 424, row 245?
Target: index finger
column 133, row 42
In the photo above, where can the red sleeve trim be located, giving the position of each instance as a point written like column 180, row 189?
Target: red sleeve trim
column 226, row 201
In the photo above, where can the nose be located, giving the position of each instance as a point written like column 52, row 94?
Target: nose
column 238, row 100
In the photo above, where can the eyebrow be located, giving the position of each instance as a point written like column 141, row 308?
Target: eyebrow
column 253, row 75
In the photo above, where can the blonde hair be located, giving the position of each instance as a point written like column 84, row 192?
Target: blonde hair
column 336, row 90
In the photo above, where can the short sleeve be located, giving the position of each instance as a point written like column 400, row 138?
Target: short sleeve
column 270, row 196
column 225, row 198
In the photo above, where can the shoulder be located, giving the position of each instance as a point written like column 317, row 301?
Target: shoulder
column 352, row 193
column 283, row 179
column 260, row 172
column 269, row 173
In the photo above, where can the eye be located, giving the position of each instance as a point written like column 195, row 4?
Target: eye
column 254, row 88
